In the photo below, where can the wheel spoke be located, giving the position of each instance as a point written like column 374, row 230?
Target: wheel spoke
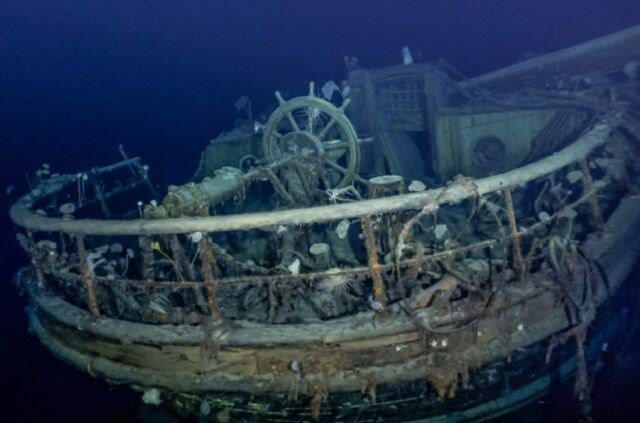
column 344, row 171
column 336, row 166
column 327, row 128
column 309, row 120
column 337, row 146
column 293, row 122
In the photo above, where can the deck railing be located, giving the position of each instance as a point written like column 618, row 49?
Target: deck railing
column 150, row 269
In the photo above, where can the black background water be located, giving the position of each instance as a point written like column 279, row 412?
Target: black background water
column 78, row 78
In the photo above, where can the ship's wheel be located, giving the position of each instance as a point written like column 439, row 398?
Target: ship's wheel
column 314, row 127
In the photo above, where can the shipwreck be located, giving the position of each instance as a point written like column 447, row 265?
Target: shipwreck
column 418, row 246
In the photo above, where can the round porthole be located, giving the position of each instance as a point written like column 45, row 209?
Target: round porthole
column 490, row 152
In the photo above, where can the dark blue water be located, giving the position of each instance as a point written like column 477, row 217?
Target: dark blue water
column 78, row 78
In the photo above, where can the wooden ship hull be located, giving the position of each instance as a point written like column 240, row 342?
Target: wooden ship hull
column 366, row 298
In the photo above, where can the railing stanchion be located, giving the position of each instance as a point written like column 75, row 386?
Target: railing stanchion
column 374, row 264
column 87, row 277
column 587, row 182
column 182, row 263
column 518, row 264
column 206, row 258
column 146, row 253
column 36, row 263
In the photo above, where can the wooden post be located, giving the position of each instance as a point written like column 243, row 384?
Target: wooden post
column 87, row 277
column 515, row 239
column 381, row 186
column 36, row 263
column 374, row 264
column 206, row 258
column 587, row 182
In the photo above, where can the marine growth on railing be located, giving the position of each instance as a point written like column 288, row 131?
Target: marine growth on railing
column 373, row 246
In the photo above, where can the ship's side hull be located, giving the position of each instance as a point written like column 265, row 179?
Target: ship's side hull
column 356, row 367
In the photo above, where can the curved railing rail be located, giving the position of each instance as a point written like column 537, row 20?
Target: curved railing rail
column 22, row 215
column 388, row 262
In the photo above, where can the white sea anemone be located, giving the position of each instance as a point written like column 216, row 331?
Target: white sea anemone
column 343, row 228
column 328, row 89
column 440, row 230
column 346, row 89
column 205, row 408
column 140, row 203
column 407, row 59
column 294, row 267
column 151, row 397
column 543, row 216
column 195, row 237
column 574, row 176
column 242, row 103
column 631, row 69
column 47, row 245
column 417, row 186
column 335, row 282
column 375, row 304
column 23, row 241
column 94, row 259
column 103, row 249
